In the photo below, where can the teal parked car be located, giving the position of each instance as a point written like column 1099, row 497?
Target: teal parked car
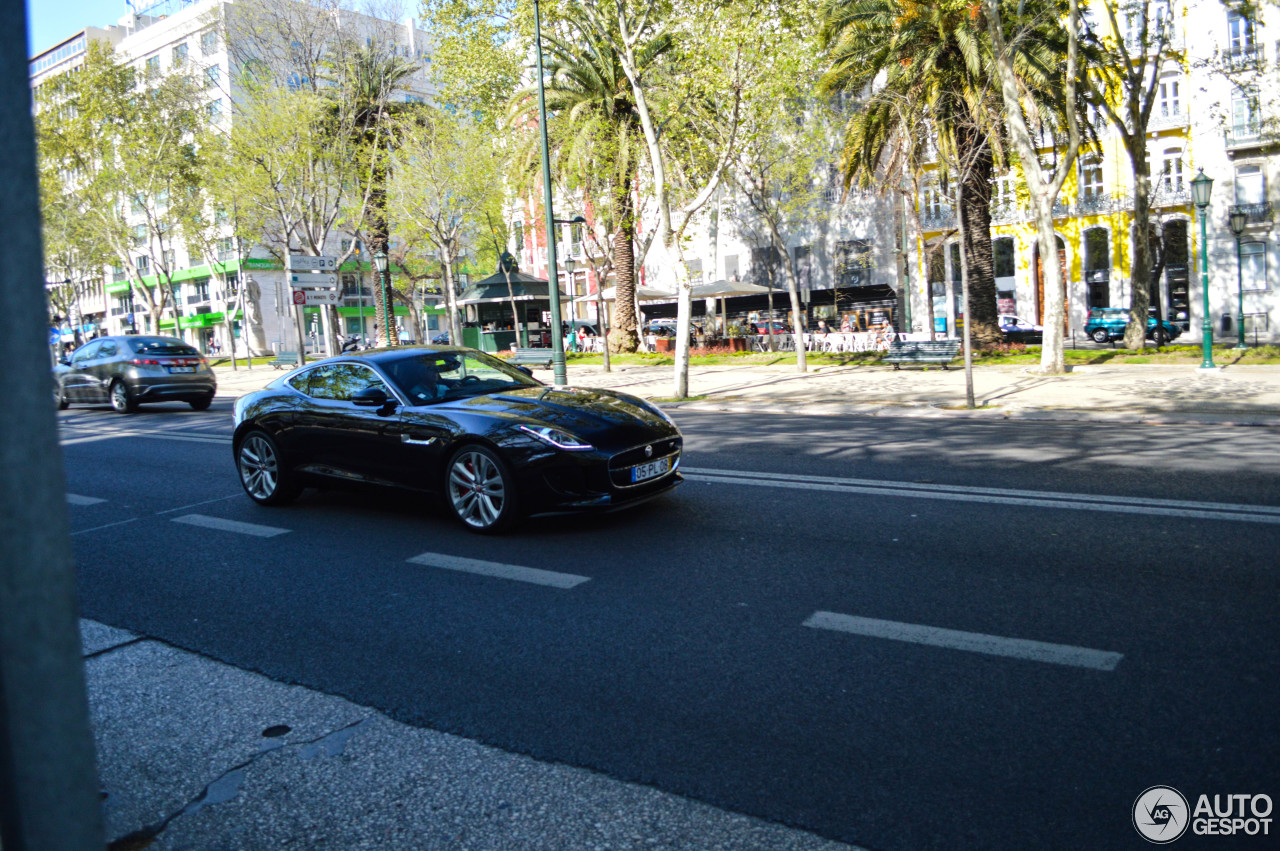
column 1106, row 324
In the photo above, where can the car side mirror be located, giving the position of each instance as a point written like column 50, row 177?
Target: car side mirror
column 372, row 397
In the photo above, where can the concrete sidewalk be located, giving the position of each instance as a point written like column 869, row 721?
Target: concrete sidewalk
column 1245, row 395
column 196, row 754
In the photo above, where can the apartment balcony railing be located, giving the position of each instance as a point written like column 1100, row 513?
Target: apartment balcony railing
column 1167, row 119
column 1257, row 213
column 1252, row 135
column 1244, row 58
column 1164, row 197
column 938, row 219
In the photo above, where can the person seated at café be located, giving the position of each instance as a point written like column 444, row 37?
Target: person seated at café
column 822, row 327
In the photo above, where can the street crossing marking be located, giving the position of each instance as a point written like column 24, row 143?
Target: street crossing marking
column 77, row 499
column 222, row 525
column 974, row 642
column 501, row 571
column 961, row 493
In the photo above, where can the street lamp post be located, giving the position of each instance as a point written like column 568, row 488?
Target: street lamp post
column 553, row 274
column 380, row 265
column 1239, row 220
column 1201, row 189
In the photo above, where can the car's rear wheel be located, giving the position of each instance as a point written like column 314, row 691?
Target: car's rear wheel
column 480, row 490
column 1100, row 335
column 202, row 404
column 121, row 398
column 262, row 471
column 1160, row 336
column 60, row 397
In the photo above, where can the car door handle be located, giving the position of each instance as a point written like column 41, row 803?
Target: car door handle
column 416, row 439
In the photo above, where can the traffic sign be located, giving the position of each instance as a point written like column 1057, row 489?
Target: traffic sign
column 299, row 297
column 305, row 263
column 313, row 281
column 317, row 296
column 54, row 336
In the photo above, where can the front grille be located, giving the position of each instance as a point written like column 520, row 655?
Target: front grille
column 620, row 465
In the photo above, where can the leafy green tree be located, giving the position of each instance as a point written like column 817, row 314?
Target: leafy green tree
column 927, row 67
column 596, row 125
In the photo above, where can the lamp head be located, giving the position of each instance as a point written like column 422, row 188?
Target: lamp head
column 1201, row 189
column 1239, row 219
column 380, row 261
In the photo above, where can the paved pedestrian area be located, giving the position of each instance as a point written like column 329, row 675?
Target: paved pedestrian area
column 1232, row 394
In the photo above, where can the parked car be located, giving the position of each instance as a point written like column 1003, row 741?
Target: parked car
column 128, row 371
column 770, row 326
column 494, row 443
column 441, row 339
column 1108, row 323
column 1017, row 330
column 661, row 327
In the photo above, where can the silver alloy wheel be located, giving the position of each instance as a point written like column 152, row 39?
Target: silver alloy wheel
column 259, row 467
column 120, row 397
column 477, row 489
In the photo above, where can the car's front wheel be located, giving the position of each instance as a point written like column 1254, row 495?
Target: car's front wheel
column 262, row 471
column 1160, row 336
column 121, row 398
column 480, row 490
column 60, row 397
column 201, row 404
column 1100, row 335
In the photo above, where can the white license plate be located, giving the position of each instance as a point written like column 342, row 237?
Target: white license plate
column 640, row 472
column 182, row 369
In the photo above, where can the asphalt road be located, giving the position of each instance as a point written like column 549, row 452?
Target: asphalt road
column 899, row 633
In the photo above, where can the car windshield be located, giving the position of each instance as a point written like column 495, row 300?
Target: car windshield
column 161, row 346
column 426, row 377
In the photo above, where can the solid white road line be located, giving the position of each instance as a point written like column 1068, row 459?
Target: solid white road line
column 77, row 499
column 501, row 571
column 195, row 504
column 107, row 526
column 230, row 525
column 974, row 642
column 960, row 493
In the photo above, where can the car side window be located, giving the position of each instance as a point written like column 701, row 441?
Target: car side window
column 87, row 352
column 108, row 349
column 339, row 382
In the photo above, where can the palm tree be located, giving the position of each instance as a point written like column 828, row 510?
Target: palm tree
column 366, row 77
column 599, row 129
column 936, row 65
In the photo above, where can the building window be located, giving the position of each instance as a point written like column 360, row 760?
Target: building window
column 1253, row 266
column 198, row 291
column 212, row 75
column 1250, row 186
column 1171, row 172
column 1097, row 266
column 153, row 64
column 1244, row 113
column 226, row 249
column 208, row 43
column 1090, row 178
column 1240, row 30
column 1170, row 98
column 214, row 110
column 179, row 53
column 139, row 236
column 931, row 200
column 143, row 263
column 1002, row 193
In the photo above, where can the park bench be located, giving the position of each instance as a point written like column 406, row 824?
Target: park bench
column 284, row 360
column 530, row 357
column 922, row 351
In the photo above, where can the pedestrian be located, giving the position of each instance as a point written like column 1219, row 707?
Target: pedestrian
column 845, row 325
column 571, row 340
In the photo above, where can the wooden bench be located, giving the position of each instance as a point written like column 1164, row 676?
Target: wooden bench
column 922, row 351
column 530, row 357
column 284, row 360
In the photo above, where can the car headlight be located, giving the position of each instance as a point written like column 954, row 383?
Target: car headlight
column 556, row 437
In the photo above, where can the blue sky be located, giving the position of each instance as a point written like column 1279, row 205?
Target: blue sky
column 50, row 21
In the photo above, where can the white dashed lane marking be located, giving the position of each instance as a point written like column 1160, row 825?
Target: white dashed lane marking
column 500, row 571
column 77, row 499
column 236, row 526
column 974, row 642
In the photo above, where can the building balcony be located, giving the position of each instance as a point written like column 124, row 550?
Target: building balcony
column 1257, row 213
column 1162, row 196
column 1251, row 135
column 941, row 219
column 1168, row 119
column 1244, row 58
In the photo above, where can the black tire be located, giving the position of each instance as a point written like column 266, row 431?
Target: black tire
column 479, row 490
column 1160, row 337
column 60, row 397
column 1100, row 335
column 122, row 398
column 263, row 474
column 201, row 404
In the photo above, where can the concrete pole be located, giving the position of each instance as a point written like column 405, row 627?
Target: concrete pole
column 48, row 783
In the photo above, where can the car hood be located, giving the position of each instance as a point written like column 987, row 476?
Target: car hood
column 586, row 412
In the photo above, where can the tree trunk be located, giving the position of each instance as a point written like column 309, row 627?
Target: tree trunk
column 624, row 337
column 1135, row 333
column 981, row 316
column 793, row 289
column 379, row 240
